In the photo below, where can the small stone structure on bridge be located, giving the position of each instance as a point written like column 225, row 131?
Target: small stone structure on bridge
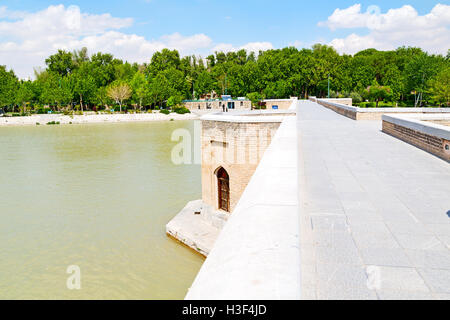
column 217, row 105
column 232, row 146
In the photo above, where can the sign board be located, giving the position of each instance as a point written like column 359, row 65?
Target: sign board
column 275, row 107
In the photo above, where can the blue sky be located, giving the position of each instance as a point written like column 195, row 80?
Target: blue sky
column 202, row 26
column 238, row 22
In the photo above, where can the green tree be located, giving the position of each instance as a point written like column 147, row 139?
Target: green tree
column 204, row 83
column 103, row 68
column 52, row 89
column 61, row 63
column 141, row 88
column 440, row 87
column 163, row 60
column 101, row 97
column 418, row 71
column 378, row 93
column 8, row 87
column 25, row 94
column 276, row 73
column 160, row 89
column 84, row 86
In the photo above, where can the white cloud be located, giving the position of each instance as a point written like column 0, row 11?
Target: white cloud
column 26, row 39
column 250, row 47
column 396, row 27
column 346, row 18
column 297, row 44
column 257, row 46
column 189, row 43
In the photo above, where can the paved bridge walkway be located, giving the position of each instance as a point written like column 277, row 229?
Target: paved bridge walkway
column 375, row 212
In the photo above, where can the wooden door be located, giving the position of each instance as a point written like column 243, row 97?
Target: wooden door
column 224, row 189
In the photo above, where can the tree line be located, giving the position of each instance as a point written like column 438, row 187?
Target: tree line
column 79, row 81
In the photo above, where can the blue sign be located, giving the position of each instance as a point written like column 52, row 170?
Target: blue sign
column 275, row 107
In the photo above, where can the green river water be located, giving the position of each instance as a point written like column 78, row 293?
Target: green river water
column 97, row 196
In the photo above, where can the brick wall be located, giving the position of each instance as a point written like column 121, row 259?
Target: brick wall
column 238, row 148
column 432, row 144
column 216, row 105
column 282, row 104
column 359, row 115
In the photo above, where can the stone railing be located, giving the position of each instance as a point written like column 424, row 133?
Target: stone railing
column 257, row 254
column 357, row 113
column 422, row 131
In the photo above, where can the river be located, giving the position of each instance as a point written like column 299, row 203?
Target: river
column 96, row 196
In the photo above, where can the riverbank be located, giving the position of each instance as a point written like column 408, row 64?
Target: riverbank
column 92, row 118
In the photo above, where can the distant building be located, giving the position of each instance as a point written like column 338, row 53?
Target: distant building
column 224, row 104
column 277, row 104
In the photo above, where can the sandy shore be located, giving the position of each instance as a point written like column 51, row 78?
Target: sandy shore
column 92, row 118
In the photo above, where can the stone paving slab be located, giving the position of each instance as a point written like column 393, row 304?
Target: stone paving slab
column 375, row 212
column 191, row 229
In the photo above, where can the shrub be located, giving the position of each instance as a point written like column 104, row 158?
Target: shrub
column 174, row 101
column 181, row 110
column 42, row 110
column 333, row 94
column 255, row 98
column 356, row 97
column 52, row 123
column 164, row 111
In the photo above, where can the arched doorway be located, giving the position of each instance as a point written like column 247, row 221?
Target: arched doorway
column 224, row 189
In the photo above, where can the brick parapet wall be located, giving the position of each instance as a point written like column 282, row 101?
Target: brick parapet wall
column 238, row 148
column 432, row 144
column 372, row 114
column 345, row 112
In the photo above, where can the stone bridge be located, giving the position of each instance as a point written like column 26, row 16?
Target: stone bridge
column 336, row 209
